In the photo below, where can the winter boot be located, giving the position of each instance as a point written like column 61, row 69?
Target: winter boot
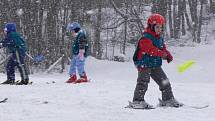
column 170, row 103
column 82, row 79
column 23, row 82
column 72, row 79
column 140, row 105
column 8, row 82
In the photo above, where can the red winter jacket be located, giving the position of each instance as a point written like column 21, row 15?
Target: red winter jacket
column 146, row 46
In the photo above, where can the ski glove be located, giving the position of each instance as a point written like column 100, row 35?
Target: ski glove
column 165, row 55
column 81, row 54
column 169, row 58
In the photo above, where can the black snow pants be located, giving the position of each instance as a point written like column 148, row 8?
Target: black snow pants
column 158, row 75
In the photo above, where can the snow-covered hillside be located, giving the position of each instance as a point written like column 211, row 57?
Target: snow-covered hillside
column 112, row 85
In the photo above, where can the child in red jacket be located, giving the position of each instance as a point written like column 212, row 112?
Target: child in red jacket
column 148, row 60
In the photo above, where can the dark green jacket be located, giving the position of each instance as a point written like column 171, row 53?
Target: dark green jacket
column 80, row 42
column 13, row 41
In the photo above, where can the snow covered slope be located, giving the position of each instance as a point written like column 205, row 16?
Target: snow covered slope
column 112, row 85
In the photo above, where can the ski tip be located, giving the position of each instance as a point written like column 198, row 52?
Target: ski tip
column 199, row 107
column 129, row 104
column 4, row 100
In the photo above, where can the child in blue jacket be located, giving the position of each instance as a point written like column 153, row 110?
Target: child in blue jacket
column 79, row 53
column 17, row 49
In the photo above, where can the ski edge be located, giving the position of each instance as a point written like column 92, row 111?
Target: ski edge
column 4, row 100
column 198, row 107
column 155, row 107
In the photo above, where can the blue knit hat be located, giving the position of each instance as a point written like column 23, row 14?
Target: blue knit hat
column 73, row 26
column 10, row 27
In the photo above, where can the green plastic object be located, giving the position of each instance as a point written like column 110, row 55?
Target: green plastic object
column 186, row 65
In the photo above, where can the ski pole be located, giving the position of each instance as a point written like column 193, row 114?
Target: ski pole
column 30, row 56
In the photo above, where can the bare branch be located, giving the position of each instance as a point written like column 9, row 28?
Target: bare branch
column 119, row 24
column 123, row 15
column 139, row 23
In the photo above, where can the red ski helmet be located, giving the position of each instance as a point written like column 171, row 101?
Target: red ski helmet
column 156, row 19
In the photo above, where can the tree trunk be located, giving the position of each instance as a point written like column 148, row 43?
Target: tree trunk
column 51, row 32
column 97, row 50
column 183, row 30
column 194, row 17
column 125, row 31
column 170, row 18
column 188, row 20
column 200, row 22
column 175, row 18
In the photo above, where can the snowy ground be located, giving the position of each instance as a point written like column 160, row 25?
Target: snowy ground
column 112, row 85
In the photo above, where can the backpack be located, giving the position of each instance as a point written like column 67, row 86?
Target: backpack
column 135, row 60
column 87, row 44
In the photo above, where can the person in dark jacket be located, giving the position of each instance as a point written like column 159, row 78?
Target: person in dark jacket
column 17, row 49
column 79, row 53
column 148, row 60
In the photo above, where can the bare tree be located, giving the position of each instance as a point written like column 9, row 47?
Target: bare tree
column 169, row 3
column 97, row 50
column 183, row 8
column 194, row 17
column 200, row 22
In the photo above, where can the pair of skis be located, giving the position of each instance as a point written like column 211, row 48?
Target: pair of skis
column 147, row 108
column 53, row 82
column 17, row 83
column 154, row 107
